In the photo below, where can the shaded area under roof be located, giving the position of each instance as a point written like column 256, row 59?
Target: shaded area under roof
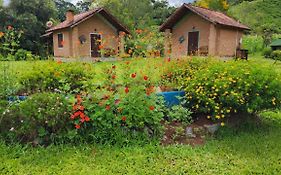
column 209, row 15
column 86, row 15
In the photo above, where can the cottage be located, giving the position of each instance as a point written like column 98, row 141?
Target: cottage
column 95, row 33
column 192, row 30
column 276, row 45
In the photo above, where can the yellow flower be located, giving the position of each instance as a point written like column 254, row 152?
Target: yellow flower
column 218, row 117
column 208, row 117
column 222, row 124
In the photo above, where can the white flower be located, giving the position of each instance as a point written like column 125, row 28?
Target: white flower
column 12, row 129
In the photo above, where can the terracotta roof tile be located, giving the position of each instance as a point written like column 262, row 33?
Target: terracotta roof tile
column 82, row 16
column 210, row 15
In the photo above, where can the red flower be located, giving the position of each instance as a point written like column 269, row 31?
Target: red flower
column 59, row 62
column 145, row 78
column 113, row 67
column 107, row 107
column 82, row 108
column 151, row 108
column 106, row 97
column 113, row 76
column 126, row 90
column 127, row 62
column 124, row 118
column 134, row 75
column 82, row 120
column 87, row 119
column 82, row 116
column 76, row 114
column 77, row 126
column 72, row 117
column 169, row 59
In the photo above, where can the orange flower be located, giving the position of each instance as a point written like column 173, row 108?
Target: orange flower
column 151, row 108
column 124, row 118
column 107, row 107
column 100, row 46
column 87, row 119
column 77, row 126
column 1, row 34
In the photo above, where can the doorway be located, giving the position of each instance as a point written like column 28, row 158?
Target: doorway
column 193, row 42
column 95, row 45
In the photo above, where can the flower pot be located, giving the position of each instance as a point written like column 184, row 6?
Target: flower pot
column 171, row 98
column 17, row 98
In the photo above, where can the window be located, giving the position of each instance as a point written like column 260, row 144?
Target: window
column 60, row 40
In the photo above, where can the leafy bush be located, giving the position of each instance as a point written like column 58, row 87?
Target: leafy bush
column 22, row 54
column 179, row 113
column 276, row 55
column 117, row 114
column 253, row 43
column 267, row 52
column 41, row 119
column 223, row 88
column 60, row 77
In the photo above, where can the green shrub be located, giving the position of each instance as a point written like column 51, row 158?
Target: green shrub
column 253, row 43
column 179, row 113
column 267, row 52
column 223, row 88
column 41, row 119
column 276, row 55
column 22, row 54
column 67, row 78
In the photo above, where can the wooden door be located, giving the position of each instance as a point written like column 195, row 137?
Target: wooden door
column 95, row 45
column 193, row 39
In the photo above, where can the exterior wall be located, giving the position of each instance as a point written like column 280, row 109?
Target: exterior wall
column 66, row 50
column 191, row 22
column 228, row 41
column 96, row 24
column 213, row 40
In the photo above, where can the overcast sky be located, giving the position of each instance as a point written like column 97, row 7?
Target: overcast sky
column 172, row 2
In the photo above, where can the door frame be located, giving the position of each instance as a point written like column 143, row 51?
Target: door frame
column 93, row 33
column 188, row 38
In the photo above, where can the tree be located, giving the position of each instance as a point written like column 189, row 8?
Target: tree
column 29, row 16
column 218, row 5
column 84, row 6
column 63, row 6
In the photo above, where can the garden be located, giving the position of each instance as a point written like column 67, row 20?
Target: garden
column 109, row 118
column 145, row 113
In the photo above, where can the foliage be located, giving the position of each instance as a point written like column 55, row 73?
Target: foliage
column 119, row 113
column 55, row 77
column 276, row 55
column 218, row 5
column 141, row 16
column 223, row 88
column 262, row 16
column 267, row 52
column 253, row 43
column 145, row 43
column 9, row 41
column 179, row 113
column 41, row 119
column 27, row 17
column 250, row 149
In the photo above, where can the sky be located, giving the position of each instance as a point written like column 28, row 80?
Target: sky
column 172, row 2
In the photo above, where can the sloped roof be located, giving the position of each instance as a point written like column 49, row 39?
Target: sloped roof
column 86, row 15
column 209, row 15
column 276, row 43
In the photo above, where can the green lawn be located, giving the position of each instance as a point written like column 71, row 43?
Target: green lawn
column 250, row 149
column 254, row 149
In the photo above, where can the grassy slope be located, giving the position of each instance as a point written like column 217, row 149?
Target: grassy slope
column 252, row 149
